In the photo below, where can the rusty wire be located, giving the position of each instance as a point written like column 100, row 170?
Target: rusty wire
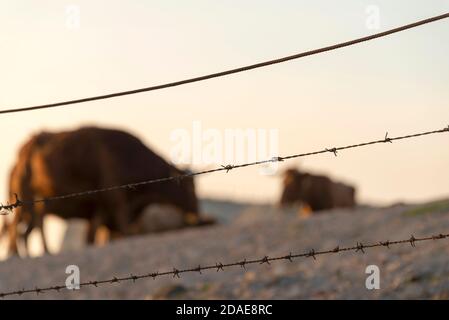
column 176, row 273
column 236, row 70
column 5, row 209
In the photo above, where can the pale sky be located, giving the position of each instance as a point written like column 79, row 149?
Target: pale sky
column 398, row 84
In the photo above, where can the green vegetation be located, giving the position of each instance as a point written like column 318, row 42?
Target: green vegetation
column 441, row 206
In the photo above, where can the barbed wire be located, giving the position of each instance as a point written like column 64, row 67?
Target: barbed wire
column 233, row 71
column 175, row 273
column 6, row 209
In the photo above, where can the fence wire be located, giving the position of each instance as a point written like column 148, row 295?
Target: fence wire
column 6, row 209
column 236, row 70
column 218, row 266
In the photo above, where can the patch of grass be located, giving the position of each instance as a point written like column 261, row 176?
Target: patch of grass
column 205, row 287
column 440, row 206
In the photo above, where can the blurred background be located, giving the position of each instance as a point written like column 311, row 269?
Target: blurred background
column 397, row 84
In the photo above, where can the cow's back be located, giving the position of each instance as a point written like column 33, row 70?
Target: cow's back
column 133, row 160
column 343, row 195
column 317, row 191
column 90, row 158
column 93, row 158
column 21, row 173
column 54, row 164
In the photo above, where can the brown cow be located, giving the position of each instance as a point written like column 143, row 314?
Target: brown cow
column 317, row 192
column 53, row 164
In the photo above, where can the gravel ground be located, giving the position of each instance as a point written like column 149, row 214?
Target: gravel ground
column 405, row 272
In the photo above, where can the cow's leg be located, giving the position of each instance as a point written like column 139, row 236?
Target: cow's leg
column 92, row 228
column 116, row 205
column 122, row 219
column 26, row 234
column 13, row 249
column 40, row 225
column 90, row 236
column 12, row 240
column 29, row 217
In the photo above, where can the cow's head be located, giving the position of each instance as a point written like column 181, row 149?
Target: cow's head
column 292, row 185
column 160, row 217
column 184, row 194
column 175, row 206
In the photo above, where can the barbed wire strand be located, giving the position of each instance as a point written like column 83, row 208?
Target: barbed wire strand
column 233, row 71
column 6, row 209
column 175, row 273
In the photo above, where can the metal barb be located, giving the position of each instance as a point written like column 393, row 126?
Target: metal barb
column 311, row 253
column 8, row 208
column 265, row 260
column 360, row 247
column 412, row 241
column 333, row 150
column 440, row 236
column 228, row 167
column 219, row 266
column 17, row 202
column 385, row 244
column 386, row 139
column 198, row 269
column 289, row 257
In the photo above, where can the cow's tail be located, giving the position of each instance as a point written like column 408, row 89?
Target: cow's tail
column 20, row 186
column 21, row 174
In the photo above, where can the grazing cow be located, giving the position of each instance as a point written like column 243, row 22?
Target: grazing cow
column 315, row 191
column 53, row 164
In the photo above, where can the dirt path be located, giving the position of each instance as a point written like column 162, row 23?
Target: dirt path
column 406, row 272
